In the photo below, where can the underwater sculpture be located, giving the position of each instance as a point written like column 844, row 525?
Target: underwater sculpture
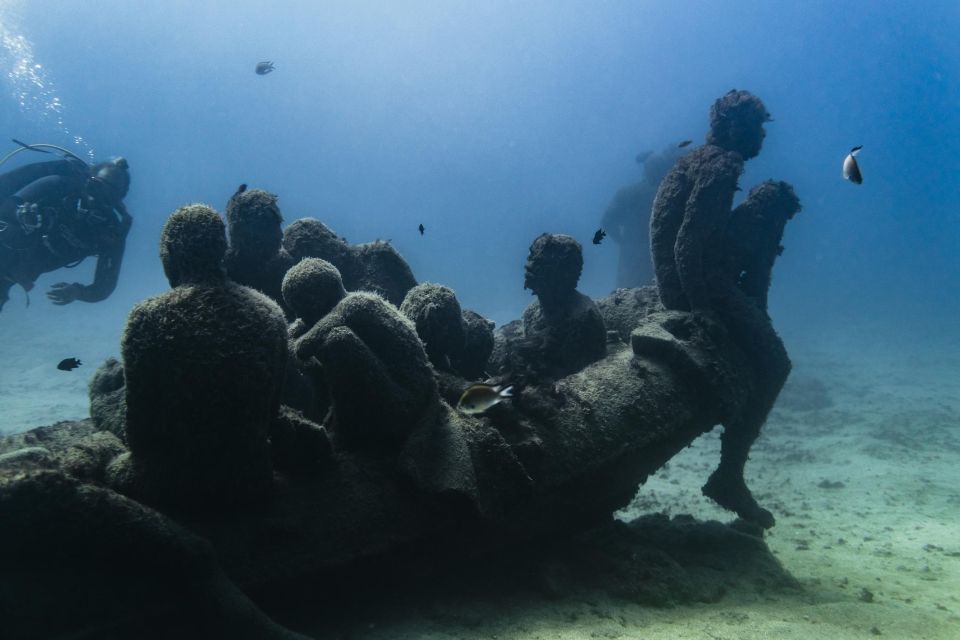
column 373, row 266
column 458, row 342
column 562, row 330
column 311, row 289
column 374, row 365
column 710, row 260
column 203, row 364
column 472, row 360
column 256, row 257
column 436, row 314
column 108, row 406
column 566, row 451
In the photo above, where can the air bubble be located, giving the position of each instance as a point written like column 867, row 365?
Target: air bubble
column 28, row 84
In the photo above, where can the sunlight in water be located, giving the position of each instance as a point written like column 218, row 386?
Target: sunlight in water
column 28, row 82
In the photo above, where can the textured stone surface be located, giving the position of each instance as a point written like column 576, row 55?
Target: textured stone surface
column 375, row 266
column 435, row 312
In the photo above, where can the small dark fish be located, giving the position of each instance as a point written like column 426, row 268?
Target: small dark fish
column 685, row 143
column 851, row 170
column 29, row 146
column 241, row 188
column 421, row 228
column 599, row 236
column 69, row 364
column 481, row 396
column 265, row 67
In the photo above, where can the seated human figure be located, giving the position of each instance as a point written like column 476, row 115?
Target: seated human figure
column 256, row 257
column 564, row 324
column 372, row 266
column 435, row 312
column 711, row 259
column 379, row 378
column 203, row 367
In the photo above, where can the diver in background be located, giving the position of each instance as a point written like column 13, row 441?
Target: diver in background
column 55, row 214
column 627, row 218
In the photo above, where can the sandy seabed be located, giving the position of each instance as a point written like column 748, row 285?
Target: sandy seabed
column 860, row 463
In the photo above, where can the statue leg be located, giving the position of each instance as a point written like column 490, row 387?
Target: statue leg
column 365, row 397
column 751, row 328
column 727, row 486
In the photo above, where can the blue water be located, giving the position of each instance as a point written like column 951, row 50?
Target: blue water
column 492, row 122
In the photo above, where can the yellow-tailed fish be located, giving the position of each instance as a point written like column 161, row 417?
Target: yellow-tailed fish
column 480, row 397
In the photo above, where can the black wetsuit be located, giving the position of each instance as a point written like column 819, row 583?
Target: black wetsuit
column 48, row 221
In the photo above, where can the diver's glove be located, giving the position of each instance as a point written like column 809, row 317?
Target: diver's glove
column 65, row 292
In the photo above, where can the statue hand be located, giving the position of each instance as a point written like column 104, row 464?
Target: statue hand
column 64, row 293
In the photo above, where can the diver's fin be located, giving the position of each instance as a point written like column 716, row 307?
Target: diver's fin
column 27, row 146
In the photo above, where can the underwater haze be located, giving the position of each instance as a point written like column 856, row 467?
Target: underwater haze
column 489, row 123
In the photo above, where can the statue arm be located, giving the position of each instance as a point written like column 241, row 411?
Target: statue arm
column 311, row 342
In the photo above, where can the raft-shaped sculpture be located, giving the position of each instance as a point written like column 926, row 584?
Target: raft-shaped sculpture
column 575, row 442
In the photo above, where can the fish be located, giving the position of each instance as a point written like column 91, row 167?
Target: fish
column 241, row 188
column 481, row 396
column 851, row 170
column 69, row 364
column 685, row 143
column 265, row 67
column 421, row 228
column 599, row 236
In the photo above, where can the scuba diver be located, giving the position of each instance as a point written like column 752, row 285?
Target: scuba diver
column 54, row 214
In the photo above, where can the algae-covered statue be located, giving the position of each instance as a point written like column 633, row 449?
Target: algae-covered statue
column 710, row 259
column 405, row 480
column 438, row 318
column 561, row 331
column 203, row 365
column 372, row 266
column 256, row 257
column 375, row 366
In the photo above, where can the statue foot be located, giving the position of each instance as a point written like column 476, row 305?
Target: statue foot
column 730, row 492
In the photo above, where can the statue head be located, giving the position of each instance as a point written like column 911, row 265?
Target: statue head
column 312, row 288
column 253, row 221
column 736, row 123
column 192, row 246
